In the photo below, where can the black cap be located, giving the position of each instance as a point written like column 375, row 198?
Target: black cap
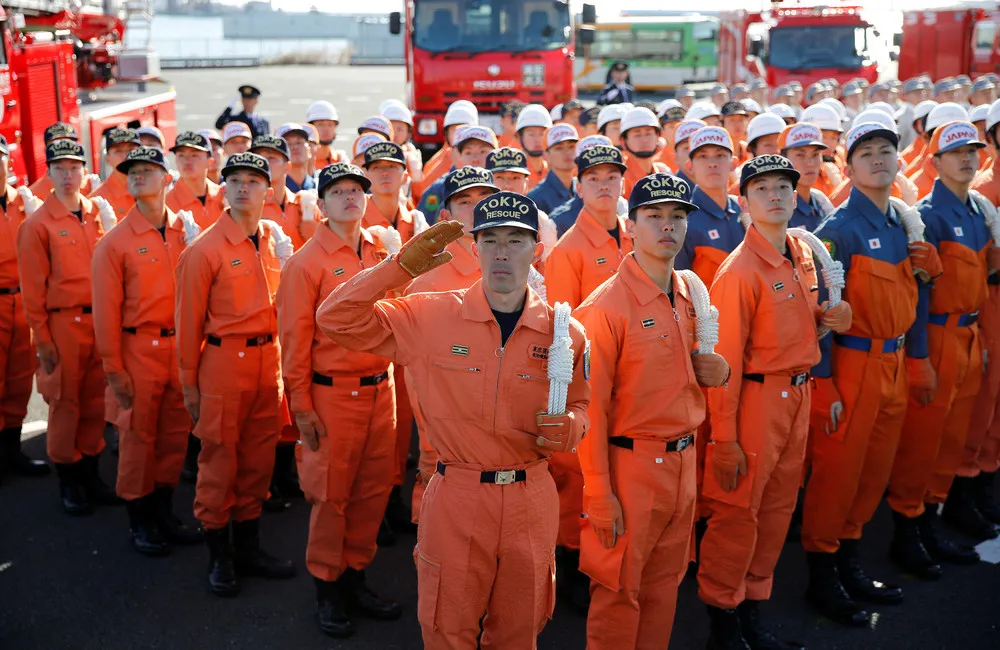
column 511, row 108
column 733, row 108
column 507, row 159
column 589, row 115
column 60, row 130
column 121, row 136
column 661, row 188
column 599, row 155
column 673, row 114
column 150, row 155
column 572, row 105
column 619, row 66
column 463, row 178
column 645, row 103
column 767, row 164
column 270, row 142
column 250, row 92
column 192, row 140
column 4, row 147
column 247, row 161
column 64, row 150
column 384, row 151
column 505, row 209
column 339, row 171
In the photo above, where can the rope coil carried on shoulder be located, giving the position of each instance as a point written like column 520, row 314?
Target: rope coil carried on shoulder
column 560, row 359
column 833, row 270
column 990, row 214
column 706, row 328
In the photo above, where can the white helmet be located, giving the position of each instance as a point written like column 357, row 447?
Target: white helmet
column 396, row 111
column 877, row 116
column 533, row 115
column 751, row 105
column 885, row 107
column 978, row 113
column 611, row 113
column 993, row 116
column 666, row 105
column 923, row 109
column 837, row 106
column 764, row 124
column 701, row 110
column 944, row 113
column 823, row 116
column 784, row 111
column 461, row 111
column 639, row 116
column 557, row 112
column 321, row 110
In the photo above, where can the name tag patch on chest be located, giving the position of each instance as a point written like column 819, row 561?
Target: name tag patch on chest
column 778, row 286
column 691, row 312
column 460, row 350
column 874, row 244
column 63, row 233
column 647, row 323
column 538, row 352
column 143, row 251
column 338, row 272
column 959, row 232
column 602, row 260
column 235, row 263
column 713, row 234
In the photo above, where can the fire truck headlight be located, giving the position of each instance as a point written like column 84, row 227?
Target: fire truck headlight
column 427, row 126
column 533, row 75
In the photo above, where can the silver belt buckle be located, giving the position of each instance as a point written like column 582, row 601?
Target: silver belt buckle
column 684, row 442
column 505, row 477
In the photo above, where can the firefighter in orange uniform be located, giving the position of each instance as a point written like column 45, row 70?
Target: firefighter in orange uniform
column 193, row 191
column 768, row 326
column 117, row 144
column 54, row 249
column 735, row 121
column 236, row 138
column 133, row 286
column 17, row 361
column 230, row 372
column 640, row 134
column 802, row 144
column 532, row 123
column 924, row 172
column 481, row 356
column 944, row 391
column 464, row 189
column 282, row 205
column 987, row 181
column 385, row 208
column 639, row 456
column 43, row 185
column 344, row 406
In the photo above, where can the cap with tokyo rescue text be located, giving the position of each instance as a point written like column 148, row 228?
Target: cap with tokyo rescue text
column 385, row 151
column 661, row 188
column 507, row 159
column 191, row 140
column 59, row 131
column 121, row 136
column 767, row 164
column 247, row 161
column 464, row 178
column 590, row 115
column 270, row 142
column 505, row 210
column 150, row 155
column 64, row 150
column 953, row 135
column 599, row 155
column 339, row 171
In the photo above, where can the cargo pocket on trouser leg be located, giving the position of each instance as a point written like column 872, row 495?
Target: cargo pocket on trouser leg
column 217, row 428
column 428, row 589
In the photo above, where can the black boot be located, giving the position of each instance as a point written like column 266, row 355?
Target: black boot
column 939, row 548
column 146, row 537
column 14, row 460
column 386, row 535
column 175, row 530
column 222, row 577
column 71, row 492
column 826, row 593
column 983, row 494
column 858, row 584
column 725, row 631
column 960, row 511
column 365, row 601
column 573, row 585
column 250, row 560
column 97, row 490
column 331, row 609
column 398, row 514
column 755, row 634
column 190, row 471
column 277, row 500
column 907, row 549
column 285, row 477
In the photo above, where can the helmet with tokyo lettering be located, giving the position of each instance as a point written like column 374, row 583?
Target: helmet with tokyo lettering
column 661, row 188
column 767, row 164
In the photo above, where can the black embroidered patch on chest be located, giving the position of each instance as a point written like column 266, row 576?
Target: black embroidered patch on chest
column 460, row 350
column 235, row 263
column 338, row 272
column 143, row 251
column 538, row 352
column 778, row 286
column 647, row 323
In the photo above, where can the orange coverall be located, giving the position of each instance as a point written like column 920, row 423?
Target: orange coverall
column 43, row 186
column 347, row 480
column 435, row 167
column 326, row 155
column 914, row 152
column 482, row 547
column 934, row 436
column 54, row 250
column 287, row 213
column 768, row 317
column 115, row 191
column 538, row 172
column 987, row 183
column 461, row 273
column 584, row 258
column 181, row 197
column 982, row 447
column 133, row 282
column 924, row 177
column 634, row 173
column 634, row 335
column 17, row 357
column 226, row 324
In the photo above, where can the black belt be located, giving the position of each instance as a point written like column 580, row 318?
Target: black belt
column 164, row 331
column 9, row 291
column 252, row 342
column 370, row 380
column 499, row 477
column 87, row 309
column 794, row 380
column 680, row 444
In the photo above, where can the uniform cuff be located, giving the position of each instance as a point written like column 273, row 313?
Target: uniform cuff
column 300, row 401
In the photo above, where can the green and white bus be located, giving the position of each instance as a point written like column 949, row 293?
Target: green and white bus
column 663, row 52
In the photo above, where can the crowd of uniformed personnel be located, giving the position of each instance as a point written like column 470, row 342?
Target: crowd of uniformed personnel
column 272, row 317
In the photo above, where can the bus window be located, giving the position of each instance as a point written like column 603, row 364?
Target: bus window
column 611, row 44
column 659, row 44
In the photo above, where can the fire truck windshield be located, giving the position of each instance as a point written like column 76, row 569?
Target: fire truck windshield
column 809, row 48
column 472, row 26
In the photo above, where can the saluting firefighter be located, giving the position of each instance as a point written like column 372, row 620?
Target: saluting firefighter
column 246, row 102
column 768, row 332
column 488, row 522
column 133, row 284
column 638, row 458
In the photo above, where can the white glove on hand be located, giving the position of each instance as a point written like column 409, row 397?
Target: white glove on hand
column 108, row 218
column 388, row 237
column 415, row 165
column 30, row 201
column 282, row 243
column 548, row 234
column 191, row 227
column 237, row 101
column 419, row 222
column 308, row 201
column 95, row 181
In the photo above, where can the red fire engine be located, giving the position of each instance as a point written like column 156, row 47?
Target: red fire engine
column 949, row 42
column 794, row 42
column 60, row 60
column 487, row 51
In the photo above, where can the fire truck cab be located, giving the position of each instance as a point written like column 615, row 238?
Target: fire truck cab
column 948, row 42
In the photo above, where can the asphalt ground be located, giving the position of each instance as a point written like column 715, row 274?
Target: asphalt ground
column 75, row 584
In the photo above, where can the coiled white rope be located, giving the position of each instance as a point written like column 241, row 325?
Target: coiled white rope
column 560, row 359
column 108, row 218
column 910, row 218
column 389, row 237
column 191, row 227
column 537, row 282
column 706, row 328
column 833, row 270
column 282, row 243
column 745, row 220
column 30, row 201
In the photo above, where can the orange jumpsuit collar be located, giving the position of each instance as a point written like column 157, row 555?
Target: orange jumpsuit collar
column 476, row 308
